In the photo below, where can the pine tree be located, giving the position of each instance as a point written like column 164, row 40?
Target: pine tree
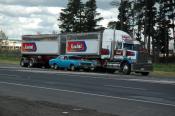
column 123, row 15
column 164, row 22
column 92, row 17
column 70, row 17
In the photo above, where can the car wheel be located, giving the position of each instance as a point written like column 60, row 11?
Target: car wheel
column 92, row 69
column 126, row 69
column 55, row 66
column 52, row 66
column 145, row 73
column 72, row 67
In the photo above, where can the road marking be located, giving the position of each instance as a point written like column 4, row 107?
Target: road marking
column 91, row 94
column 9, row 75
column 154, row 81
column 114, row 86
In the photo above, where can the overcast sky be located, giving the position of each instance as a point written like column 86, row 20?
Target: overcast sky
column 18, row 17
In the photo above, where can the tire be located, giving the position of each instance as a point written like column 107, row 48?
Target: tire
column 22, row 63
column 31, row 64
column 56, row 67
column 126, row 69
column 72, row 67
column 145, row 73
column 52, row 66
column 92, row 69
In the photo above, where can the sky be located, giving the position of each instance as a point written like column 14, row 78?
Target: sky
column 20, row 17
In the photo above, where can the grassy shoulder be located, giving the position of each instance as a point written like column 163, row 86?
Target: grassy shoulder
column 164, row 70
column 9, row 60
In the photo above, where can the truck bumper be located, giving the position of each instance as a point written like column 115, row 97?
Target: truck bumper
column 141, row 67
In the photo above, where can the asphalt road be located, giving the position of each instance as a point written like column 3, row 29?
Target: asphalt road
column 123, row 95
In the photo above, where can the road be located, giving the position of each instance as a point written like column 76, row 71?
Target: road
column 123, row 95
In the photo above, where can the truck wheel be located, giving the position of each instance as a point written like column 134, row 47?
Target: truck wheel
column 72, row 67
column 31, row 64
column 126, row 69
column 145, row 73
column 22, row 63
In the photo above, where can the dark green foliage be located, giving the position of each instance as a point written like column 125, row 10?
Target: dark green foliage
column 79, row 17
column 91, row 16
column 152, row 18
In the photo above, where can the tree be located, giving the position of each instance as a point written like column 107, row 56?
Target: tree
column 123, row 16
column 70, row 17
column 79, row 17
column 91, row 16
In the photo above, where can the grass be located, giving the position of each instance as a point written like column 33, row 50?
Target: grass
column 9, row 59
column 164, row 70
column 164, row 67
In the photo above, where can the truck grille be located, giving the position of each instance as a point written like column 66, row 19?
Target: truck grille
column 143, row 57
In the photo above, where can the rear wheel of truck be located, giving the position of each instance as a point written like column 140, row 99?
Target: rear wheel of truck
column 22, row 63
column 72, row 67
column 31, row 64
column 145, row 73
column 126, row 69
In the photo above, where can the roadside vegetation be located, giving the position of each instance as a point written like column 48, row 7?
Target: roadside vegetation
column 9, row 57
column 9, row 60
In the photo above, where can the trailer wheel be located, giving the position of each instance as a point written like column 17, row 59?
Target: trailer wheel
column 31, row 64
column 145, row 73
column 126, row 69
column 22, row 63
column 72, row 67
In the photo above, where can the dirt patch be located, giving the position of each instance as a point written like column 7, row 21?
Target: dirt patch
column 10, row 106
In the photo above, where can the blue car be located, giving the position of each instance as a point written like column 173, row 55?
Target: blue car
column 71, row 62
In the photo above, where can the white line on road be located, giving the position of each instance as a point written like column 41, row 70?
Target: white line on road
column 116, row 86
column 9, row 75
column 91, row 94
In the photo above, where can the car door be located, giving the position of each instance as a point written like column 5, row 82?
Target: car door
column 61, row 62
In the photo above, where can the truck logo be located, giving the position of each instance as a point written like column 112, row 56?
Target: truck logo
column 76, row 46
column 29, row 47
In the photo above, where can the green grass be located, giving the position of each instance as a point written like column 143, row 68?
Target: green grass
column 164, row 67
column 9, row 59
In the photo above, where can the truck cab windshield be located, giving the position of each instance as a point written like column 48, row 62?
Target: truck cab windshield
column 135, row 47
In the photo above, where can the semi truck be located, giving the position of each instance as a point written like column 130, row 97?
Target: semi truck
column 111, row 50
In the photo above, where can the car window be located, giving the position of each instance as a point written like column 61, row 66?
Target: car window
column 74, row 57
column 128, row 46
column 61, row 57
